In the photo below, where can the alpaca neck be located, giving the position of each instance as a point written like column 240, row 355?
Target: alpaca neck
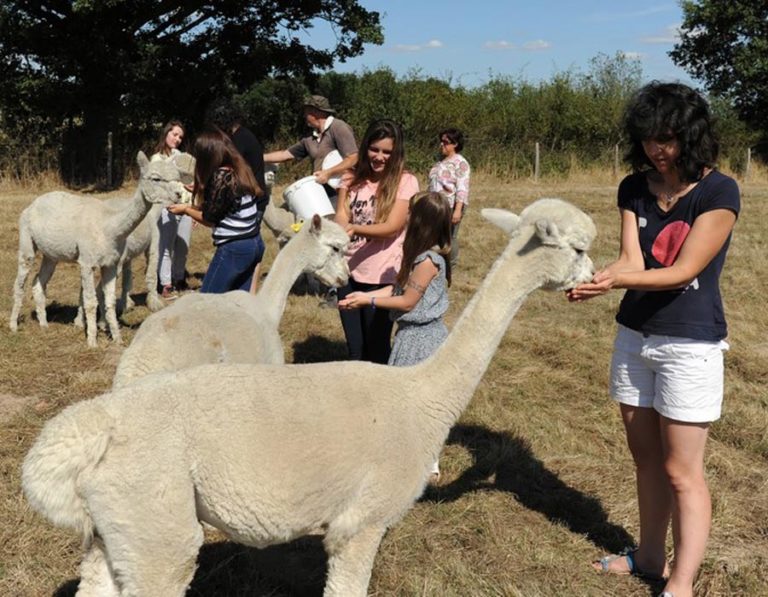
column 459, row 364
column 286, row 267
column 129, row 212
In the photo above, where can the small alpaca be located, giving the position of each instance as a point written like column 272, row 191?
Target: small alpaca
column 91, row 232
column 235, row 327
column 269, row 453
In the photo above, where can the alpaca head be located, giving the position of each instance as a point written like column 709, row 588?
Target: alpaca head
column 326, row 255
column 160, row 180
column 558, row 227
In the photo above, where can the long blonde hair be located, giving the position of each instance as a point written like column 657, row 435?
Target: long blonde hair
column 393, row 171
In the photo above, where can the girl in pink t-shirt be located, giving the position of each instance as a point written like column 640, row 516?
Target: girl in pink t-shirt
column 373, row 207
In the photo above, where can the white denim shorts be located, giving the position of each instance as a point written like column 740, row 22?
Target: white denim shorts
column 682, row 379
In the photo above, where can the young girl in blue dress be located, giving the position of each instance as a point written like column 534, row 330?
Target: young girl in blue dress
column 419, row 297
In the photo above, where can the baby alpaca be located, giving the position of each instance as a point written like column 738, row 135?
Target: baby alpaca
column 92, row 232
column 235, row 327
column 268, row 453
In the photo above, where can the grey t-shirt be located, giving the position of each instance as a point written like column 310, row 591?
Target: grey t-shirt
column 338, row 136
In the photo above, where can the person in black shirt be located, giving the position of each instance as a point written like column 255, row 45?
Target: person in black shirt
column 229, row 119
column 677, row 213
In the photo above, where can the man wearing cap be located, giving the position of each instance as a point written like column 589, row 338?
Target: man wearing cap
column 328, row 133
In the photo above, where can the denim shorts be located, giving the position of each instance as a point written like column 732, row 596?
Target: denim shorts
column 681, row 378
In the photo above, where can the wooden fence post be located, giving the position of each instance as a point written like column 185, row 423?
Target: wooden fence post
column 615, row 161
column 748, row 167
column 536, row 164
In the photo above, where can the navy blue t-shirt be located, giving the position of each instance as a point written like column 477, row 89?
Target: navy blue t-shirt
column 695, row 311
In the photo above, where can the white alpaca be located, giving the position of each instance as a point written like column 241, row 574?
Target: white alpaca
column 92, row 232
column 235, row 327
column 268, row 453
column 145, row 240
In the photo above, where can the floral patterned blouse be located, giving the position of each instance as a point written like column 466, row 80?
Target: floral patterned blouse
column 450, row 178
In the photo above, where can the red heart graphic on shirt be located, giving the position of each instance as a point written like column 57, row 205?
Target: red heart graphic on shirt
column 669, row 241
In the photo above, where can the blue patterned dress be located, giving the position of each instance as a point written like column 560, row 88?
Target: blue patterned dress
column 421, row 330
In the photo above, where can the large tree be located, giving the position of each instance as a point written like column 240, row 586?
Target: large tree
column 725, row 45
column 112, row 65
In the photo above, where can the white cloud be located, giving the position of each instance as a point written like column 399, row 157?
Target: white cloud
column 670, row 35
column 431, row 44
column 536, row 45
column 499, row 45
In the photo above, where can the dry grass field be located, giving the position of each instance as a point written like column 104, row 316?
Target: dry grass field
column 537, row 481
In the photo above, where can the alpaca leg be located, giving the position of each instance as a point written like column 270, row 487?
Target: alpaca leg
column 101, row 318
column 153, row 549
column 108, row 283
column 350, row 563
column 126, row 302
column 90, row 303
column 26, row 259
column 47, row 266
column 80, row 317
column 96, row 578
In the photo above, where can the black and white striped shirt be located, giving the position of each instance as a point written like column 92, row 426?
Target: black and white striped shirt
column 233, row 216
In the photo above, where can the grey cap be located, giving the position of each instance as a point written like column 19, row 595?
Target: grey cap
column 318, row 102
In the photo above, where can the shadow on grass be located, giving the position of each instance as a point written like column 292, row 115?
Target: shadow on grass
column 516, row 470
column 227, row 569
column 58, row 313
column 319, row 349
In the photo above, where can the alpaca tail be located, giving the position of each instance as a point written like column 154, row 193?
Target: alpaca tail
column 69, row 446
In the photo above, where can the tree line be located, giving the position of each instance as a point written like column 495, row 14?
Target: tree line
column 77, row 73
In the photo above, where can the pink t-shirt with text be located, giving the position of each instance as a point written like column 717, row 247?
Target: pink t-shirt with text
column 373, row 260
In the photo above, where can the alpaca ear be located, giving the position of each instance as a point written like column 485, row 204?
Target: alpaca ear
column 317, row 224
column 142, row 161
column 548, row 232
column 501, row 218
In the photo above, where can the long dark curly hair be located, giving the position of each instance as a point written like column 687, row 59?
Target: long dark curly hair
column 663, row 111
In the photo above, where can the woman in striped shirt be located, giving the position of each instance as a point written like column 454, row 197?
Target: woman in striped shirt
column 225, row 195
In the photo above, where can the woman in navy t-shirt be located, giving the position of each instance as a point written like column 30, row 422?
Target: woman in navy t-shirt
column 677, row 213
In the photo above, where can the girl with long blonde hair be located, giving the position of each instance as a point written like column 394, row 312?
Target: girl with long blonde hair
column 373, row 207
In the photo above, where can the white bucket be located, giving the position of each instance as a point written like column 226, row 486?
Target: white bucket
column 332, row 159
column 305, row 198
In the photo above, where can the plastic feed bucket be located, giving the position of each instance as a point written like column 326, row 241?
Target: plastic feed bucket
column 332, row 159
column 306, row 197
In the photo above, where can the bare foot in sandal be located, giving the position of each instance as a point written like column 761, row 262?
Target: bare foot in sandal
column 624, row 564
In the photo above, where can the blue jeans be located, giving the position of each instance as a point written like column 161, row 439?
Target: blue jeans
column 232, row 265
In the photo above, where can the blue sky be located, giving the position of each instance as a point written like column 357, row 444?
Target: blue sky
column 468, row 41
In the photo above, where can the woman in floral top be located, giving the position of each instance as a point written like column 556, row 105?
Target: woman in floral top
column 450, row 178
